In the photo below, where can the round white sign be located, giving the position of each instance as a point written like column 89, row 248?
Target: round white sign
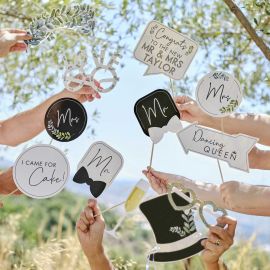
column 219, row 94
column 41, row 171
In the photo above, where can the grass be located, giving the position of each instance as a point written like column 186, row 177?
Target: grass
column 40, row 235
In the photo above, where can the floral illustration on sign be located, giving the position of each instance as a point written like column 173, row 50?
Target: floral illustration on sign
column 59, row 135
column 230, row 107
column 78, row 18
column 189, row 225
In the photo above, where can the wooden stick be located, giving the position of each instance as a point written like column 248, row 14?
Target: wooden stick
column 108, row 209
column 172, row 88
column 219, row 166
column 151, row 158
column 251, row 31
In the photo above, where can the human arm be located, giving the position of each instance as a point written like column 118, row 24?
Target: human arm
column 7, row 184
column 238, row 200
column 204, row 191
column 26, row 125
column 12, row 40
column 218, row 241
column 90, row 232
column 259, row 159
column 250, row 124
column 246, row 198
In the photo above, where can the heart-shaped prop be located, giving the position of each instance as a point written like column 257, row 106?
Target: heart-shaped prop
column 193, row 198
column 215, row 209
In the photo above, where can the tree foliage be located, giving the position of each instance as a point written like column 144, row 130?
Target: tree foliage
column 224, row 44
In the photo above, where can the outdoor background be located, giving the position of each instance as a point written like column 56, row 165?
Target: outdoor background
column 40, row 234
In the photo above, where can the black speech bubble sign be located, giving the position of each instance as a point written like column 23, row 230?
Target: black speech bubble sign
column 155, row 110
column 65, row 119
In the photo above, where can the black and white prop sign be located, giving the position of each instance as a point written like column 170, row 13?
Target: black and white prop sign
column 157, row 114
column 41, row 171
column 65, row 120
column 233, row 149
column 165, row 51
column 175, row 231
column 219, row 94
column 99, row 166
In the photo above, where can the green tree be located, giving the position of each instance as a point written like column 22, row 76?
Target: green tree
column 224, row 43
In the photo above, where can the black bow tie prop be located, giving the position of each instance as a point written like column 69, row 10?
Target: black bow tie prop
column 65, row 120
column 157, row 114
column 82, row 177
column 175, row 231
column 99, row 167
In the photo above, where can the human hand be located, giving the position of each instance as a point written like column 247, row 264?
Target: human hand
column 12, row 40
column 160, row 180
column 7, row 184
column 190, row 110
column 86, row 93
column 219, row 240
column 90, row 231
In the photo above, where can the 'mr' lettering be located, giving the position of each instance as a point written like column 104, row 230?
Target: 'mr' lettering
column 154, row 110
column 100, row 161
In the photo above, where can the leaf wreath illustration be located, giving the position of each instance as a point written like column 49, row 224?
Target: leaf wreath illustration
column 230, row 107
column 189, row 225
column 59, row 135
column 78, row 18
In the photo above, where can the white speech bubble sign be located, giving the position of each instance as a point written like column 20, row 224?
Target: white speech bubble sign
column 41, row 171
column 165, row 51
column 219, row 94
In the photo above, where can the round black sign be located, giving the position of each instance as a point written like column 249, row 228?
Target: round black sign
column 65, row 120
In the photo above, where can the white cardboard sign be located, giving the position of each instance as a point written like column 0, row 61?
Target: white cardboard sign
column 165, row 51
column 218, row 94
column 233, row 149
column 41, row 171
column 98, row 167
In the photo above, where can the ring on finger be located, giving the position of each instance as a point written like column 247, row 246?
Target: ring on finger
column 218, row 242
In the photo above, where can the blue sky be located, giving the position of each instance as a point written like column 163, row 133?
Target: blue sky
column 119, row 128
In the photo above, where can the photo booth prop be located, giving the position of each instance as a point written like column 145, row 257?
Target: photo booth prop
column 193, row 202
column 218, row 94
column 165, row 51
column 75, row 76
column 175, row 232
column 233, row 149
column 41, row 171
column 78, row 18
column 157, row 114
column 65, row 120
column 99, row 167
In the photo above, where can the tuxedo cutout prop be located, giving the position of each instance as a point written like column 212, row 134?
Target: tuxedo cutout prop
column 175, row 231
column 65, row 120
column 157, row 114
column 99, row 166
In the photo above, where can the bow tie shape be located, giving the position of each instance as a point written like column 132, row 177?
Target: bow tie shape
column 156, row 133
column 96, row 187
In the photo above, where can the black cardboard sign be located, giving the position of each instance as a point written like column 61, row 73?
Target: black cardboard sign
column 65, row 120
column 157, row 110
